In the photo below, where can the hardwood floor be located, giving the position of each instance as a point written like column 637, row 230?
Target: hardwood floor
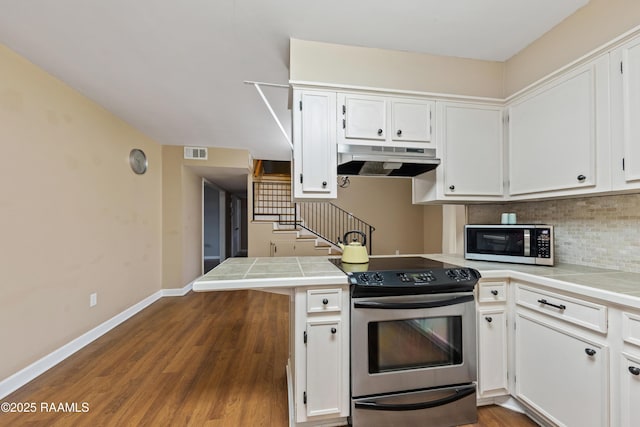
column 205, row 359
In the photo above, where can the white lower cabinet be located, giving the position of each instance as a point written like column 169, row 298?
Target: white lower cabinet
column 629, row 389
column 562, row 375
column 493, row 362
column 324, row 367
column 320, row 353
column 492, row 352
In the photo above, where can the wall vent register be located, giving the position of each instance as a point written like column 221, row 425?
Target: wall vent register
column 195, row 153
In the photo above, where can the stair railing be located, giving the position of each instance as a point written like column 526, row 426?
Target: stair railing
column 323, row 219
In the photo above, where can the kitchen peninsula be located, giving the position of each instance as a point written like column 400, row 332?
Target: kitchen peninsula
column 577, row 340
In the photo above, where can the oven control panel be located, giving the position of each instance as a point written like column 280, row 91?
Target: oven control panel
column 415, row 278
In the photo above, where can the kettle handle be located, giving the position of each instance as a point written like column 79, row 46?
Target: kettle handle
column 364, row 236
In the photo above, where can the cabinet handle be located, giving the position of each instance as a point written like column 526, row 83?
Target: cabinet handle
column 581, row 178
column 334, row 330
column 494, row 293
column 559, row 307
column 399, row 133
column 452, row 187
column 489, row 319
column 590, row 351
column 634, row 370
column 325, row 301
column 379, row 131
column 324, row 183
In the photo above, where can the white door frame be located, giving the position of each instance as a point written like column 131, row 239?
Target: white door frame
column 221, row 223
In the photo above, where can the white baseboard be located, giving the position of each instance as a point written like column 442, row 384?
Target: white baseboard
column 512, row 404
column 22, row 377
column 177, row 292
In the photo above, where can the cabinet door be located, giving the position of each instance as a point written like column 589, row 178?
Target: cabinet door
column 628, row 101
column 364, row 117
column 492, row 352
column 282, row 248
column 324, row 367
column 471, row 146
column 315, row 151
column 630, row 390
column 553, row 133
column 562, row 375
column 411, row 120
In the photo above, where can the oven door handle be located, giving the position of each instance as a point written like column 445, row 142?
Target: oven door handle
column 458, row 394
column 412, row 305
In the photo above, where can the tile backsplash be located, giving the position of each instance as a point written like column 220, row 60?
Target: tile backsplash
column 595, row 231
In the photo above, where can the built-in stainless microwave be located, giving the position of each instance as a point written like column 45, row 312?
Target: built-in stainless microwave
column 523, row 244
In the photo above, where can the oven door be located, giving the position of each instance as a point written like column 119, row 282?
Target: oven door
column 412, row 342
column 442, row 407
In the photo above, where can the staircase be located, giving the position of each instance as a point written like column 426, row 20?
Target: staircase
column 322, row 222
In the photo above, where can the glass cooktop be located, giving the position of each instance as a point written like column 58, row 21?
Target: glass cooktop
column 393, row 264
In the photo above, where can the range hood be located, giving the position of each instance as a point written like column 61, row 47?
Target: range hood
column 385, row 161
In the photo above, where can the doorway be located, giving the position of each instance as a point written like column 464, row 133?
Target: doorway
column 213, row 226
column 238, row 216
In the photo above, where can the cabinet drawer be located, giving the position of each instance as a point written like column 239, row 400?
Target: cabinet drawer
column 631, row 328
column 587, row 314
column 324, row 300
column 492, row 292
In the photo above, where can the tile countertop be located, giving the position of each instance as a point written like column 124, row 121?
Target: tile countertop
column 267, row 272
column 604, row 284
column 287, row 272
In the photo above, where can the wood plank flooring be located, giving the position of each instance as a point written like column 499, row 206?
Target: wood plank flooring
column 205, row 359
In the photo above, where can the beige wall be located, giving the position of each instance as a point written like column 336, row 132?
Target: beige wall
column 192, row 216
column 432, row 228
column 182, row 208
column 384, row 203
column 590, row 27
column 74, row 218
column 392, row 69
column 172, row 212
column 181, row 220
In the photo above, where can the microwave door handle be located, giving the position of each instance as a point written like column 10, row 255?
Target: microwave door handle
column 527, row 242
column 457, row 395
column 412, row 305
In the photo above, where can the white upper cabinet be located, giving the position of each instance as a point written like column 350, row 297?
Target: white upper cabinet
column 384, row 120
column 365, row 117
column 411, row 120
column 559, row 135
column 314, row 140
column 469, row 141
column 470, row 144
column 625, row 79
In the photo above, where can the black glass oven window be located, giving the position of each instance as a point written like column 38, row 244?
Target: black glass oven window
column 495, row 241
column 396, row 345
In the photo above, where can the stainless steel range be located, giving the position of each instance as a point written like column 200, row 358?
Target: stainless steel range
column 413, row 342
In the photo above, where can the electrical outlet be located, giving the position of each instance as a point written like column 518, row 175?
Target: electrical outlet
column 93, row 299
column 397, row 251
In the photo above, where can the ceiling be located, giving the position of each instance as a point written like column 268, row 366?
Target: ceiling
column 175, row 69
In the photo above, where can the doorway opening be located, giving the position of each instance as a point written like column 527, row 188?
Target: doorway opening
column 224, row 225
